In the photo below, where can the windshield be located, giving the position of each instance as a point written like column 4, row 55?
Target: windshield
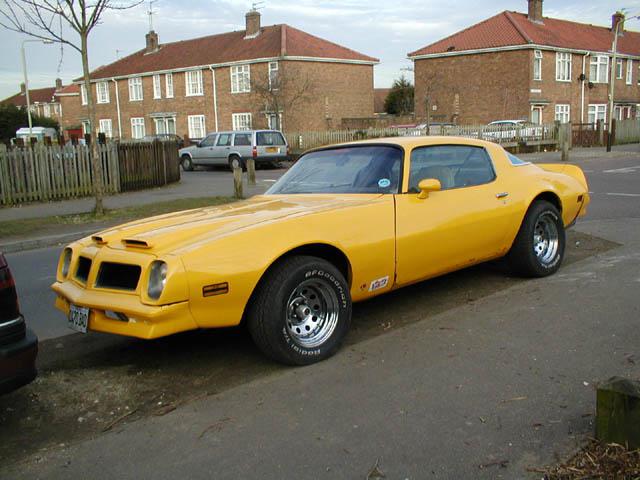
column 354, row 169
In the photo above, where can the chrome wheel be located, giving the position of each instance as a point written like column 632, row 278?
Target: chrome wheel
column 545, row 238
column 312, row 313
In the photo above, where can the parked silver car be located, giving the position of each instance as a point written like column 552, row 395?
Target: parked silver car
column 234, row 148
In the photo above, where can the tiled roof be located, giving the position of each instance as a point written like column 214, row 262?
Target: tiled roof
column 71, row 89
column 36, row 95
column 273, row 41
column 513, row 29
column 379, row 96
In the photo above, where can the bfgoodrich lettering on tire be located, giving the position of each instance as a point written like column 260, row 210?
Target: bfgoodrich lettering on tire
column 301, row 311
column 539, row 247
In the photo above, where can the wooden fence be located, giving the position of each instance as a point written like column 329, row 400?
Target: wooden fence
column 506, row 135
column 45, row 173
column 627, row 131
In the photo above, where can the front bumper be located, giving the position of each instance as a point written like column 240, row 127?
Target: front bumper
column 18, row 362
column 142, row 321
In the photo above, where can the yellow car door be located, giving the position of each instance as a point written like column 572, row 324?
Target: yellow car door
column 463, row 223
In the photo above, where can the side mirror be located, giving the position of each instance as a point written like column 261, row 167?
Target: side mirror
column 427, row 185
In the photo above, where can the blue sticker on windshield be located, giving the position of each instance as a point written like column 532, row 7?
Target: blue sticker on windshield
column 384, row 182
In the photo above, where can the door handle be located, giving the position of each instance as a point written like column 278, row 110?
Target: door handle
column 502, row 194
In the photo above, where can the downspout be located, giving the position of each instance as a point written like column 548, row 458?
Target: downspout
column 215, row 97
column 115, row 83
column 584, row 75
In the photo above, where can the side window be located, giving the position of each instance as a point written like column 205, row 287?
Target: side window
column 224, row 140
column 269, row 138
column 455, row 166
column 209, row 141
column 242, row 139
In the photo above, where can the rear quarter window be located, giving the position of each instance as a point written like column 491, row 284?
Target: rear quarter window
column 269, row 138
column 242, row 139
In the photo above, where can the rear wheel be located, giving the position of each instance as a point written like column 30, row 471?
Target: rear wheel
column 538, row 249
column 187, row 163
column 236, row 162
column 301, row 311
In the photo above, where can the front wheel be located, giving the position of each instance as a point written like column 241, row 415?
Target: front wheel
column 187, row 163
column 301, row 311
column 236, row 162
column 538, row 249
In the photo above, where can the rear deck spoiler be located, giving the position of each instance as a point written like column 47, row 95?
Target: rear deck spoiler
column 571, row 170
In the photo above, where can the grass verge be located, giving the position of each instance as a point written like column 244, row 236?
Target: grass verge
column 34, row 226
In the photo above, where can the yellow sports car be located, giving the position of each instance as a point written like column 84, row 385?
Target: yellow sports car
column 344, row 224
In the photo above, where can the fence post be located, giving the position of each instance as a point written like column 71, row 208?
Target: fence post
column 565, row 141
column 251, row 171
column 237, row 182
column 5, row 198
column 600, row 132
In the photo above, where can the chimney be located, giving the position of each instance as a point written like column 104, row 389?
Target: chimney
column 617, row 18
column 152, row 42
column 252, row 19
column 58, row 83
column 23, row 89
column 535, row 11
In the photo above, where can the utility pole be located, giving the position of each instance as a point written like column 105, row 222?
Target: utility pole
column 26, row 80
column 612, row 81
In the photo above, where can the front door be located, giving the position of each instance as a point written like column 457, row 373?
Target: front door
column 204, row 154
column 463, row 224
column 222, row 149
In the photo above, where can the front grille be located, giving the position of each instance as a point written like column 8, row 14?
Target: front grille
column 118, row 276
column 84, row 266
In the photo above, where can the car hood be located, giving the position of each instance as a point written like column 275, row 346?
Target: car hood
column 180, row 231
column 188, row 149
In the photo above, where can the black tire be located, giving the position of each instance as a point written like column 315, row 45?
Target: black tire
column 236, row 160
column 187, row 163
column 303, row 285
column 533, row 253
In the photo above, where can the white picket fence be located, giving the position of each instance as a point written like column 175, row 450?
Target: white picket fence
column 506, row 135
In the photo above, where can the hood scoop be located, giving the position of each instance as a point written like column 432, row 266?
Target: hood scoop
column 136, row 243
column 99, row 240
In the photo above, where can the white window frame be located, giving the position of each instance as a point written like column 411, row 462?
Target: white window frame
column 563, row 66
column 537, row 64
column 83, row 95
column 240, row 78
column 193, row 83
column 629, row 79
column 619, row 69
column 86, row 127
column 102, row 92
column 164, row 122
column 46, row 110
column 196, row 125
column 563, row 112
column 273, row 75
column 594, row 110
column 241, row 121
column 596, row 66
column 135, row 89
column 137, row 127
column 168, row 80
column 106, row 126
column 157, row 87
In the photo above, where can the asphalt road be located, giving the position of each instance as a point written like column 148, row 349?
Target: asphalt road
column 474, row 375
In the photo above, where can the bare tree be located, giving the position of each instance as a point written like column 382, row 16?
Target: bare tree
column 281, row 91
column 44, row 19
column 432, row 83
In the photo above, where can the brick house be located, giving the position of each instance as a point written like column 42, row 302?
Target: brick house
column 261, row 77
column 527, row 66
column 44, row 102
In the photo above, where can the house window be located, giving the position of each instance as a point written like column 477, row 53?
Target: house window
column 563, row 113
column 102, row 92
column 536, row 115
column 137, row 127
column 597, row 112
column 240, row 79
column 135, row 89
column 86, row 127
column 196, row 126
column 622, row 112
column 168, row 78
column 56, row 109
column 537, row 65
column 46, row 110
column 105, row 127
column 241, row 121
column 563, row 67
column 274, row 120
column 83, row 94
column 619, row 69
column 193, row 80
column 629, row 72
column 599, row 69
column 273, row 75
column 165, row 125
column 157, row 88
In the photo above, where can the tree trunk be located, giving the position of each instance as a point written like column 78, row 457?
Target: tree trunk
column 96, row 163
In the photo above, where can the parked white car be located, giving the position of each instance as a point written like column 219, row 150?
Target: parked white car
column 513, row 129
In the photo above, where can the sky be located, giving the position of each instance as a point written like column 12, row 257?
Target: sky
column 387, row 30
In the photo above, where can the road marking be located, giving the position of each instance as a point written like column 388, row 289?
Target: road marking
column 623, row 170
column 268, row 180
column 624, row 194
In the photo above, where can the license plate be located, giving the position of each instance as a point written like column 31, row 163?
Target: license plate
column 78, row 318
column 273, row 150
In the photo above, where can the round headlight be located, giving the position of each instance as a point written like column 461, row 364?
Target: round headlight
column 157, row 279
column 66, row 262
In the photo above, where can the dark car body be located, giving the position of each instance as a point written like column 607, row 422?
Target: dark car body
column 18, row 344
